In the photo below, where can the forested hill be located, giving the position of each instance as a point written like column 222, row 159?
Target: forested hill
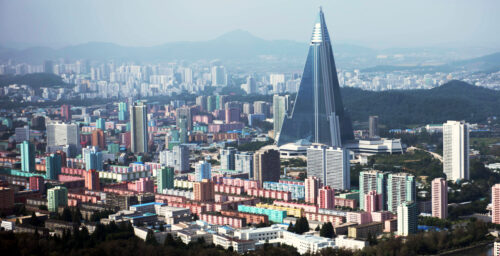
column 455, row 100
column 35, row 80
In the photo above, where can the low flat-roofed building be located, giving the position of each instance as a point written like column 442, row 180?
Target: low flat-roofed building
column 378, row 146
column 342, row 241
column 362, row 231
column 391, row 225
column 239, row 246
column 174, row 215
column 296, row 149
column 304, row 243
column 342, row 229
column 192, row 235
column 259, row 234
column 142, row 233
column 147, row 207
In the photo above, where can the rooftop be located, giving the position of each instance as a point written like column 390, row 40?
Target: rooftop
column 147, row 204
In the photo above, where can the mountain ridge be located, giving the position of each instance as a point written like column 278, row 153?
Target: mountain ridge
column 455, row 100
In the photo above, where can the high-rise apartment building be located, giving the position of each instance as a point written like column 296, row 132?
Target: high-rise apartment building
column 318, row 113
column 400, row 189
column 495, row 204
column 202, row 102
column 247, row 108
column 188, row 76
column 439, row 202
column 261, row 107
column 37, row 183
column 373, row 126
column 203, row 170
column 211, row 103
column 407, row 218
column 243, row 162
column 178, row 158
column 232, row 115
column 27, row 156
column 93, row 159
column 372, row 180
column 53, row 166
column 61, row 134
column 250, row 87
column 100, row 123
column 456, row 150
column 326, row 198
column 57, row 196
column 312, row 185
column 281, row 105
column 139, row 128
column 227, row 158
column 66, row 113
column 278, row 82
column 330, row 165
column 122, row 111
column 6, row 199
column 184, row 118
column 203, row 191
column 98, row 139
column 92, row 181
column 164, row 179
column 373, row 202
column 219, row 76
column 266, row 164
column 220, row 101
column 22, row 133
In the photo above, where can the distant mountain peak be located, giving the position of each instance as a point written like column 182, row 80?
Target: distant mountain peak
column 238, row 35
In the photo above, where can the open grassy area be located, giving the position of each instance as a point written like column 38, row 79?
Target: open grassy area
column 417, row 162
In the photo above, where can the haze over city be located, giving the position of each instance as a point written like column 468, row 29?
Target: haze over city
column 376, row 24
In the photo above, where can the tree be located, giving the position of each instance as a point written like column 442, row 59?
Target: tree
column 150, row 238
column 291, row 228
column 317, row 228
column 170, row 241
column 327, row 230
column 66, row 214
column 34, row 220
column 301, row 225
column 76, row 216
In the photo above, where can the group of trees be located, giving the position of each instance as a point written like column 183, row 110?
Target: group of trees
column 71, row 215
column 119, row 239
column 254, row 146
column 326, row 230
column 434, row 222
column 432, row 242
column 417, row 162
column 301, row 226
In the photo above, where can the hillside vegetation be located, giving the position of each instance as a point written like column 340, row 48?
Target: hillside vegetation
column 455, row 100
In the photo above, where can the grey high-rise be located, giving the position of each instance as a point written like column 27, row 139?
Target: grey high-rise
column 318, row 113
column 139, row 127
column 373, row 126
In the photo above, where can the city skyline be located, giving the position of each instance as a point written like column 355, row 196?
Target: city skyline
column 246, row 145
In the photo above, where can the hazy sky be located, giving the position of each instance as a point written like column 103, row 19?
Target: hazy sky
column 372, row 23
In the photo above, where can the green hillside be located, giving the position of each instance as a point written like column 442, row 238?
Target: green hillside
column 455, row 100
